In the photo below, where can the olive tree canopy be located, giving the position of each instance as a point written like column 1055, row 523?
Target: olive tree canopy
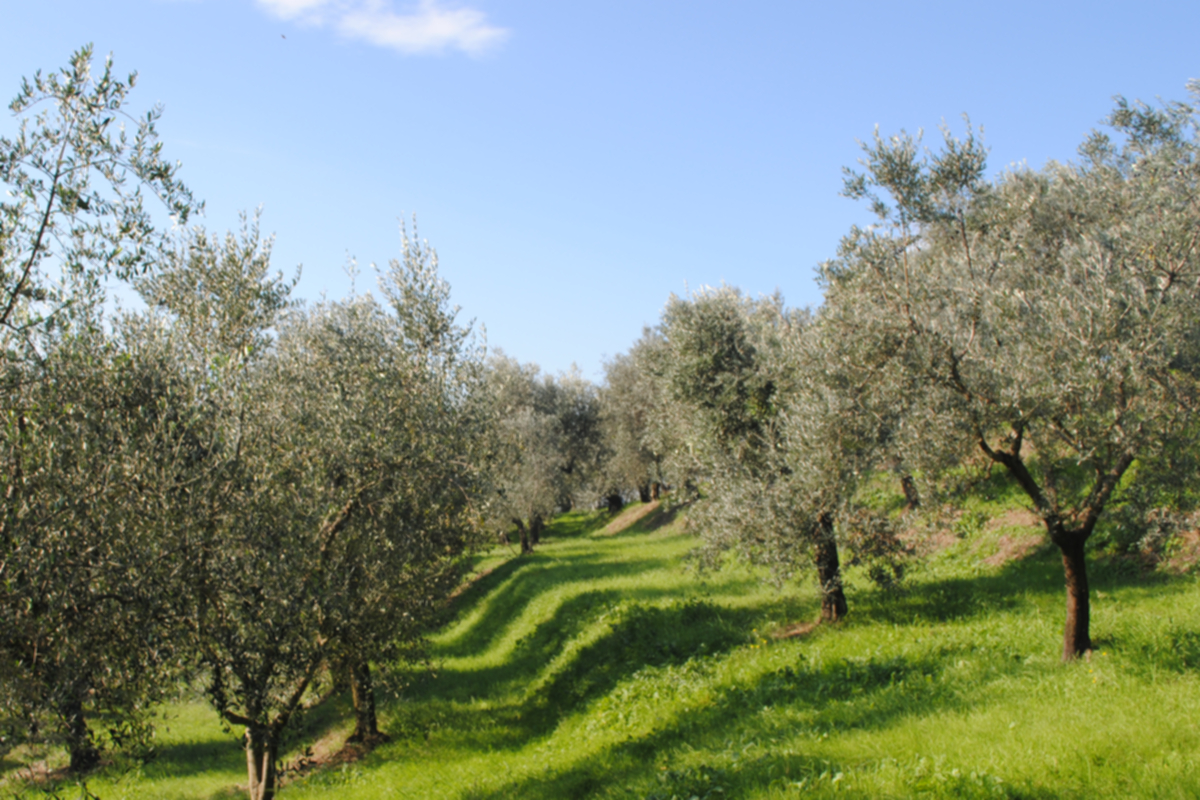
column 1048, row 317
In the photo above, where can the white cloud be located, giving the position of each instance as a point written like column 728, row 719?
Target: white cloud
column 291, row 9
column 430, row 27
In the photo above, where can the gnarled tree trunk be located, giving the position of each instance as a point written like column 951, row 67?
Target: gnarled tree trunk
column 536, row 526
column 829, row 573
column 362, row 692
column 912, row 498
column 1076, row 634
column 85, row 756
column 526, row 545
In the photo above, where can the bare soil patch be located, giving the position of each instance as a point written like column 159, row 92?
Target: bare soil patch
column 922, row 541
column 1014, row 548
column 630, row 516
column 1014, row 517
column 331, row 750
column 796, row 630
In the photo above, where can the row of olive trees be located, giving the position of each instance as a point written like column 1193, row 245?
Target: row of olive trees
column 227, row 487
column 1046, row 319
column 546, row 450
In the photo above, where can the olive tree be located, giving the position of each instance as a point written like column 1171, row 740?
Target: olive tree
column 776, row 430
column 1047, row 317
column 546, row 444
column 332, row 494
column 88, row 591
column 527, row 463
column 84, row 432
column 631, row 401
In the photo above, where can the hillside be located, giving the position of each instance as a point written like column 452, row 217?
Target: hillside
column 601, row 667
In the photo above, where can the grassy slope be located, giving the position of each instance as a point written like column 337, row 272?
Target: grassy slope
column 598, row 667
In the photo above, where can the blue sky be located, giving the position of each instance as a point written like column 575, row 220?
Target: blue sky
column 576, row 162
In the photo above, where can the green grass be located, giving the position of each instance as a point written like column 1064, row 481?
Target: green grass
column 600, row 667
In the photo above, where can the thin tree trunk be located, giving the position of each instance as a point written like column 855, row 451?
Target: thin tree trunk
column 536, row 526
column 833, row 599
column 362, row 691
column 262, row 751
column 1076, row 633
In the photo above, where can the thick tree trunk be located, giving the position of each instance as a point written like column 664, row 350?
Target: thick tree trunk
column 655, row 490
column 85, row 756
column 912, row 497
column 833, row 599
column 262, row 754
column 615, row 502
column 1076, row 633
column 526, row 546
column 644, row 493
column 536, row 526
column 362, row 691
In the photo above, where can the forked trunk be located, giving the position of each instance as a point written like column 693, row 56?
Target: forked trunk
column 262, row 752
column 1076, row 636
column 1076, row 633
column 829, row 573
column 362, row 691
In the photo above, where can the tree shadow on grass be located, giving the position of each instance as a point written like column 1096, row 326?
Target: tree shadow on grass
column 741, row 727
column 545, row 688
column 183, row 759
column 510, row 588
column 1038, row 578
column 635, row 618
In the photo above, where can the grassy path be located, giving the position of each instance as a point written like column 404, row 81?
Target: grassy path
column 599, row 667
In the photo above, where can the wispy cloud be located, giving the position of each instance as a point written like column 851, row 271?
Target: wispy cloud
column 427, row 27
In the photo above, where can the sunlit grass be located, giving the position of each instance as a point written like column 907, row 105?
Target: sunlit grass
column 600, row 667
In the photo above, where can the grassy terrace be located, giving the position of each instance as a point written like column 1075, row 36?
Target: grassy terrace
column 601, row 667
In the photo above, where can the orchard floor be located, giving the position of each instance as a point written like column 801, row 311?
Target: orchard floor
column 601, row 667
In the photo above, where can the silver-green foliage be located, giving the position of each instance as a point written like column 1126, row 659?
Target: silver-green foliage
column 88, row 432
column 332, row 489
column 546, row 442
column 75, row 176
column 1047, row 317
column 631, row 407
